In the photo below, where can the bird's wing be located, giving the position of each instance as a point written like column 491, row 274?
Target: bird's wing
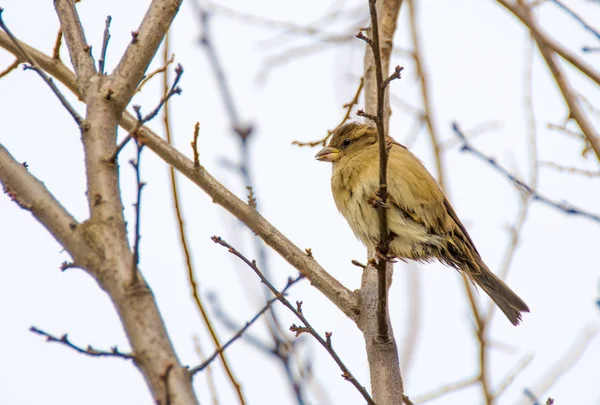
column 414, row 191
column 454, row 217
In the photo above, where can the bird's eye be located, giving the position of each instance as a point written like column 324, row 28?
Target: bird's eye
column 346, row 142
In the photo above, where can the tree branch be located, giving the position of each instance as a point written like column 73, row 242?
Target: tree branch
column 31, row 194
column 343, row 298
column 535, row 195
column 548, row 48
column 79, row 50
column 382, row 355
column 297, row 311
column 130, row 71
column 425, row 94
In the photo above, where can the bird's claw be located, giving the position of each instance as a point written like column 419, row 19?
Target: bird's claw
column 377, row 202
column 388, row 258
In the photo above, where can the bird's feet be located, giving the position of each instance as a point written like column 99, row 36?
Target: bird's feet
column 388, row 258
column 377, row 201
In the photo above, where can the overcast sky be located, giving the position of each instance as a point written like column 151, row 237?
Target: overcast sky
column 476, row 55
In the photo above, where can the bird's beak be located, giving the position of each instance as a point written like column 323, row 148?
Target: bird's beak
column 328, row 154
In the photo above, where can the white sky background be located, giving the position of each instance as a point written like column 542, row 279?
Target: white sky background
column 475, row 54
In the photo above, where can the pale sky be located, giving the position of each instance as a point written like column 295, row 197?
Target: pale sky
column 476, row 56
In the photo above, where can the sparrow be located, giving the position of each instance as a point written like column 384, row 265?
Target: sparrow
column 422, row 224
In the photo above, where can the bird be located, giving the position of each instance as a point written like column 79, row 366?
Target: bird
column 422, row 224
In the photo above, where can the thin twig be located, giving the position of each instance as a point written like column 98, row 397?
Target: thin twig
column 548, row 50
column 105, row 40
column 162, row 69
column 195, row 145
column 206, row 42
column 57, row 45
column 577, row 17
column 241, row 332
column 210, row 378
column 10, row 68
column 512, row 375
column 216, row 308
column 590, row 49
column 567, row 361
column 382, row 192
column 261, row 21
column 425, row 94
column 33, row 65
column 525, row 199
column 480, row 332
column 566, row 131
column 138, row 208
column 297, row 311
column 445, row 389
column 569, row 169
column 348, row 106
column 564, row 207
column 244, row 131
column 148, row 117
column 88, row 351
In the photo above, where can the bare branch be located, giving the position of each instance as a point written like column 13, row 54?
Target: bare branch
column 57, row 45
column 548, row 49
column 42, row 74
column 562, row 365
column 130, row 71
column 536, row 196
column 105, row 40
column 10, row 68
column 52, row 66
column 88, row 351
column 151, row 115
column 195, row 145
column 521, row 13
column 577, row 18
column 149, row 76
column 340, row 296
column 386, row 379
column 183, row 234
column 240, row 333
column 512, row 375
column 307, row 328
column 569, row 169
column 138, row 209
column 445, row 389
column 31, row 194
column 79, row 50
column 380, row 120
column 348, row 106
column 425, row 94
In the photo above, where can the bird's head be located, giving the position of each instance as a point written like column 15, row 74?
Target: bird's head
column 346, row 140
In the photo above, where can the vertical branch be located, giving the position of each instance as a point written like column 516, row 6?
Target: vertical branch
column 549, row 50
column 138, row 209
column 382, row 193
column 244, row 132
column 382, row 324
column 425, row 94
column 382, row 352
column 79, row 50
column 183, row 237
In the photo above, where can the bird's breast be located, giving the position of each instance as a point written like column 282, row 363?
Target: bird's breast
column 352, row 191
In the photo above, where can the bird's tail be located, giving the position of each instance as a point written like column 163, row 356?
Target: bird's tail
column 509, row 302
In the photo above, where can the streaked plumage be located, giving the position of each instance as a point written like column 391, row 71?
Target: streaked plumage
column 423, row 225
